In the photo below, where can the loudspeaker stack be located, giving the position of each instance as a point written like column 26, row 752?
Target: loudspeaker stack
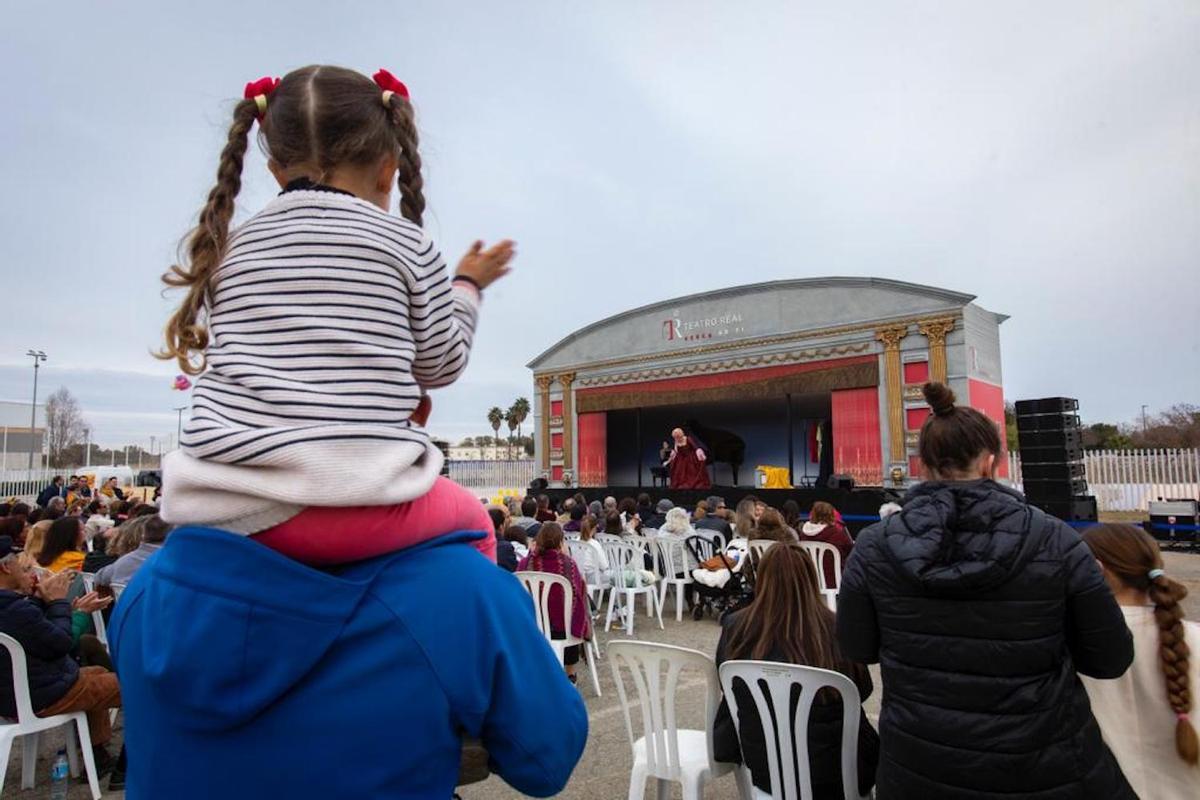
column 1052, row 467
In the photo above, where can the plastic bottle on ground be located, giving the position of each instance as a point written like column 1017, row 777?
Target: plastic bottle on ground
column 60, row 776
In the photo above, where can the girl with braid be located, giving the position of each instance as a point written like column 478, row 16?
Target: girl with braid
column 1146, row 714
column 321, row 322
column 322, row 575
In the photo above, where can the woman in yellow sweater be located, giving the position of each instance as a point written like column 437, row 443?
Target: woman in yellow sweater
column 62, row 548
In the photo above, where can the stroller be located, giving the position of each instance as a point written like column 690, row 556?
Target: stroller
column 731, row 594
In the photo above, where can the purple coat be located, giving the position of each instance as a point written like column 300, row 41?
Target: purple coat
column 559, row 563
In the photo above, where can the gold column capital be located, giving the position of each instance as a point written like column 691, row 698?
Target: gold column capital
column 543, row 382
column 566, row 379
column 891, row 336
column 936, row 330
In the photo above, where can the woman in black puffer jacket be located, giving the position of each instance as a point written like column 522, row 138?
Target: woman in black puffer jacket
column 981, row 610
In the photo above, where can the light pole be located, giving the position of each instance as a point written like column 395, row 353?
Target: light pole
column 1143, row 420
column 38, row 357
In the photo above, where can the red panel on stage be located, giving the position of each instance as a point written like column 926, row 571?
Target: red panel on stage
column 593, row 449
column 857, row 449
column 914, row 466
column 556, row 441
column 556, row 473
column 556, row 408
column 916, row 372
column 915, row 417
column 726, row 378
column 989, row 399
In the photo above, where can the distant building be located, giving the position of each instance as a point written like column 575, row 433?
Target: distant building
column 15, row 439
column 489, row 453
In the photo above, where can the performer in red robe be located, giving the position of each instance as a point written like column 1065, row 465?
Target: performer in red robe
column 687, row 463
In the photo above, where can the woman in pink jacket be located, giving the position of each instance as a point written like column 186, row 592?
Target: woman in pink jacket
column 549, row 554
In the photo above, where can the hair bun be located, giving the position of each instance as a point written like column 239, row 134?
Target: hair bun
column 939, row 397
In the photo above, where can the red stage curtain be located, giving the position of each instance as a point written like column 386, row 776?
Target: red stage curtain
column 593, row 449
column 989, row 399
column 857, row 445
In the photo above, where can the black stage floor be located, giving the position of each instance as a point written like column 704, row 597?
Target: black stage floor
column 859, row 507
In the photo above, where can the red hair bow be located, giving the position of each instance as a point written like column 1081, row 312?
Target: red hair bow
column 390, row 83
column 260, row 89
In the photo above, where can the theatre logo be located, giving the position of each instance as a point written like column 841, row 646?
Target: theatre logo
column 677, row 329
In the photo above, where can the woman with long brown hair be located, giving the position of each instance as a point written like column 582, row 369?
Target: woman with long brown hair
column 1145, row 715
column 788, row 622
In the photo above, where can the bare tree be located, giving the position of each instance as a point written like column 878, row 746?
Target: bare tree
column 64, row 425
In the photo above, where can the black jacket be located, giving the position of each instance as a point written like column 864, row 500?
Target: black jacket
column 506, row 555
column 981, row 610
column 824, row 731
column 45, row 633
column 717, row 525
column 48, row 494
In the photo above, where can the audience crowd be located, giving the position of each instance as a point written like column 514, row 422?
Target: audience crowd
column 1017, row 651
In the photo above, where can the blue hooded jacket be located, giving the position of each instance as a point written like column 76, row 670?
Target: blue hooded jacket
column 247, row 674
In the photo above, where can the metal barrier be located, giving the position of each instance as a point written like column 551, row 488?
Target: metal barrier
column 1127, row 480
column 516, row 474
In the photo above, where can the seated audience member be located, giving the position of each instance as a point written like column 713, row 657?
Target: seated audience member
column 516, row 536
column 544, row 514
column 789, row 623
column 981, row 609
column 549, row 554
column 744, row 517
column 612, row 524
column 56, row 508
column 506, row 555
column 591, row 560
column 564, row 511
column 577, row 514
column 645, row 508
column 677, row 524
column 709, row 520
column 527, row 519
column 61, row 548
column 136, row 541
column 580, row 500
column 822, row 526
column 659, row 516
column 39, row 617
column 35, row 515
column 35, row 540
column 791, row 514
column 14, row 528
column 770, row 526
column 610, row 504
column 1145, row 715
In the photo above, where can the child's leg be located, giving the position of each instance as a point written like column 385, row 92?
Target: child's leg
column 320, row 535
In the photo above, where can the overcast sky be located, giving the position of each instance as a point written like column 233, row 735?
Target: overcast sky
column 1044, row 156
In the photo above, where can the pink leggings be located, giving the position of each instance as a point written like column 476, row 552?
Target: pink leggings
column 322, row 536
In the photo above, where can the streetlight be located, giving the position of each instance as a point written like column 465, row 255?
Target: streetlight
column 1144, row 420
column 38, row 357
column 179, row 423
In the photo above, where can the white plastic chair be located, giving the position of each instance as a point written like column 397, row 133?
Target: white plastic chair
column 759, row 547
column 623, row 558
column 538, row 584
column 791, row 780
column 29, row 725
column 673, row 557
column 664, row 751
column 818, row 552
column 89, row 584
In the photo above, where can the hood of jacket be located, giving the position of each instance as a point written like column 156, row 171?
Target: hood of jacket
column 812, row 528
column 962, row 536
column 230, row 626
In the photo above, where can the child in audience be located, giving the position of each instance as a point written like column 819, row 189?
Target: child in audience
column 823, row 526
column 322, row 321
column 1146, row 714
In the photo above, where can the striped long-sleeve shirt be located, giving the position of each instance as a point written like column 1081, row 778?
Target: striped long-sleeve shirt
column 327, row 318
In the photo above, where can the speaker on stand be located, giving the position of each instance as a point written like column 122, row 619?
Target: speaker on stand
column 1053, row 473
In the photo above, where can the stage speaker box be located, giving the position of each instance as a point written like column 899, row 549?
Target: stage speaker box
column 1051, row 443
column 1055, row 489
column 1174, row 523
column 1076, row 509
column 1051, row 470
column 1047, row 405
column 841, row 482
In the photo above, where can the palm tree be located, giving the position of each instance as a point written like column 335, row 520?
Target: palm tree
column 510, row 417
column 521, row 409
column 495, row 416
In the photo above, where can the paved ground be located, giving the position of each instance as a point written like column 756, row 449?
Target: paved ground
column 603, row 773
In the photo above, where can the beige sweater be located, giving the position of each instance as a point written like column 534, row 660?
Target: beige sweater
column 1137, row 721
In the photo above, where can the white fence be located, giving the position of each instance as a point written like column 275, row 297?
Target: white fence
column 1127, row 480
column 515, row 474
